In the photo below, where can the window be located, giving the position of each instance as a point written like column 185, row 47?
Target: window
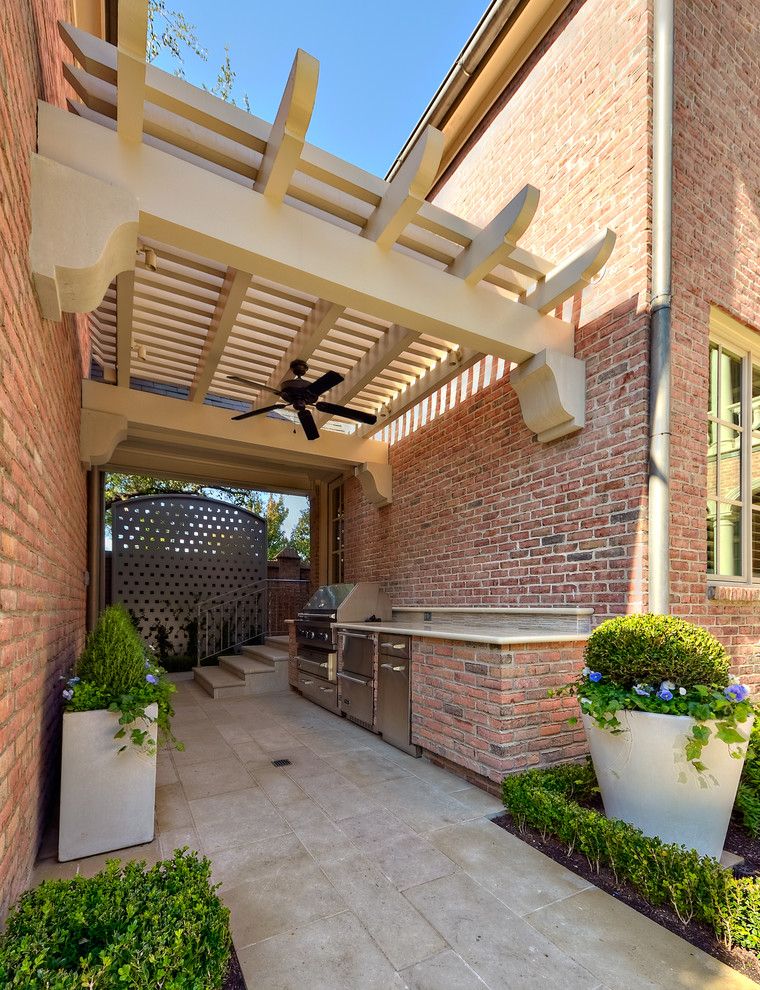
column 733, row 452
column 337, row 524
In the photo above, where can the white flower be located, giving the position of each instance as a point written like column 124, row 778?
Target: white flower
column 734, row 679
column 682, row 691
column 586, row 671
column 585, row 701
column 667, row 686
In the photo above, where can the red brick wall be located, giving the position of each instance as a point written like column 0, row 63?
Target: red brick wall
column 42, row 505
column 716, row 233
column 482, row 513
column 484, row 708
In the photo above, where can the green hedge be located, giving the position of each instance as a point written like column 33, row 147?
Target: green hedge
column 126, row 927
column 748, row 797
column 694, row 887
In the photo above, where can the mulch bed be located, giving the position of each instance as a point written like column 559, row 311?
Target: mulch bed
column 738, row 841
column 234, row 980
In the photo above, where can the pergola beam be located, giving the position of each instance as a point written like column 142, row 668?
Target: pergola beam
column 407, row 192
column 228, row 305
column 572, row 276
column 130, row 67
column 206, row 214
column 286, row 139
column 125, row 301
column 494, row 244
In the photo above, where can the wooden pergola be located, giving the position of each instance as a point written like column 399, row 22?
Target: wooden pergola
column 205, row 242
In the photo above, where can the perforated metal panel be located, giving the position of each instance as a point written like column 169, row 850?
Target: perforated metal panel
column 172, row 552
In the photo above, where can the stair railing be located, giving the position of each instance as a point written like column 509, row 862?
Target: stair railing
column 230, row 619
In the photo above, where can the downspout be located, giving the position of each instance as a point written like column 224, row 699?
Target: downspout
column 660, row 311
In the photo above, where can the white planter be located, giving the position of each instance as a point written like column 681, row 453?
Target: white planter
column 108, row 798
column 646, row 780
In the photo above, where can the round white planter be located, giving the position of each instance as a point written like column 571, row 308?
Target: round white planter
column 646, row 780
column 108, row 798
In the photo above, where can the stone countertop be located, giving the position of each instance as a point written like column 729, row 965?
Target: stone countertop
column 467, row 634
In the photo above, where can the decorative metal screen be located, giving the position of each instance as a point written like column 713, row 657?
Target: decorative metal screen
column 173, row 552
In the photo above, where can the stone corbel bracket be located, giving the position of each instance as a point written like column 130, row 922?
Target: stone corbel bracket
column 551, row 387
column 377, row 482
column 100, row 433
column 84, row 233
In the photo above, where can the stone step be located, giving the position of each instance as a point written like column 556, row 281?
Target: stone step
column 219, row 683
column 243, row 665
column 268, row 654
column 278, row 642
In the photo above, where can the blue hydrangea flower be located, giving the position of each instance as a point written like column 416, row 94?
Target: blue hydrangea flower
column 68, row 694
column 594, row 676
column 148, row 663
column 72, row 680
column 736, row 692
column 151, row 679
column 643, row 689
column 664, row 695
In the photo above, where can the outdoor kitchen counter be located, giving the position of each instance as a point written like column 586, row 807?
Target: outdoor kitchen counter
column 469, row 634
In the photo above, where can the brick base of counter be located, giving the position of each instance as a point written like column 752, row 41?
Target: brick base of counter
column 485, row 708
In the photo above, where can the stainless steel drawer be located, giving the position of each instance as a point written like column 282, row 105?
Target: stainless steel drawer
column 318, row 690
column 356, row 696
column 324, row 666
column 395, row 646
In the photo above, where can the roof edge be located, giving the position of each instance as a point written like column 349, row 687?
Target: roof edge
column 506, row 35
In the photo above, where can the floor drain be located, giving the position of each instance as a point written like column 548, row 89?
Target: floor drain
column 280, row 763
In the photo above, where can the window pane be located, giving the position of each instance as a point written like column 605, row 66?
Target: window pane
column 755, row 397
column 712, row 458
column 730, row 392
column 730, row 475
column 756, row 544
column 729, row 540
column 712, row 392
column 755, row 470
column 711, row 549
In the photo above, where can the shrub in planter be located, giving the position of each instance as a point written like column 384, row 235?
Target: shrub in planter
column 117, row 709
column 667, row 727
column 127, row 928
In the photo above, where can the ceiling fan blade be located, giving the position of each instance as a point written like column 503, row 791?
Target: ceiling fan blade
column 355, row 414
column 329, row 380
column 260, row 412
column 247, row 381
column 308, row 424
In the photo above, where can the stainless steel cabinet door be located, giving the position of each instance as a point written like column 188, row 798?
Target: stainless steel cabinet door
column 393, row 711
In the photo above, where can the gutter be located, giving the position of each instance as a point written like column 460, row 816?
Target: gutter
column 660, row 310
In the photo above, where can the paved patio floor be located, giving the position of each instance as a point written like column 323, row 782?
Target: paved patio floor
column 358, row 867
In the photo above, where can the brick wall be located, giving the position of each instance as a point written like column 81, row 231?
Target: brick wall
column 716, row 233
column 42, row 504
column 482, row 513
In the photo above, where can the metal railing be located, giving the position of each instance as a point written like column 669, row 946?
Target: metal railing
column 231, row 619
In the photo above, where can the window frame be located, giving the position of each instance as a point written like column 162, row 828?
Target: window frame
column 745, row 343
column 336, row 532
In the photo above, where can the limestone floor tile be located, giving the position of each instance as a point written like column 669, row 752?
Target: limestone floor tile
column 236, row 819
column 436, row 776
column 326, row 741
column 419, row 805
column 216, row 777
column 364, row 768
column 520, row 876
column 503, row 949
column 331, row 954
column 271, row 739
column 401, row 932
column 248, row 751
column 476, row 799
column 177, row 838
column 279, row 787
column 165, row 773
column 233, row 732
column 172, row 809
column 293, row 895
column 320, row 835
column 243, row 864
column 203, row 749
column 338, row 797
column 627, row 951
column 445, row 971
column 304, row 764
column 51, row 869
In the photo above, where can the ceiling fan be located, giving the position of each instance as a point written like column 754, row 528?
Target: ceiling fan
column 300, row 394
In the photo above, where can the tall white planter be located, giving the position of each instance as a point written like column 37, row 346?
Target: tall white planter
column 646, row 780
column 108, row 798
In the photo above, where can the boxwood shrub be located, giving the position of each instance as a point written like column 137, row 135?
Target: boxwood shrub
column 127, row 927
column 649, row 649
column 694, row 887
column 748, row 796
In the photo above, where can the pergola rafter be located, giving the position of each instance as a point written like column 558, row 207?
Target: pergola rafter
column 270, row 249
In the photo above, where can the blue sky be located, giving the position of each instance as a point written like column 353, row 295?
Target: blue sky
column 380, row 64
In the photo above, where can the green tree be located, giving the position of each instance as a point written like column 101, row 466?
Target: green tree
column 300, row 538
column 275, row 512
